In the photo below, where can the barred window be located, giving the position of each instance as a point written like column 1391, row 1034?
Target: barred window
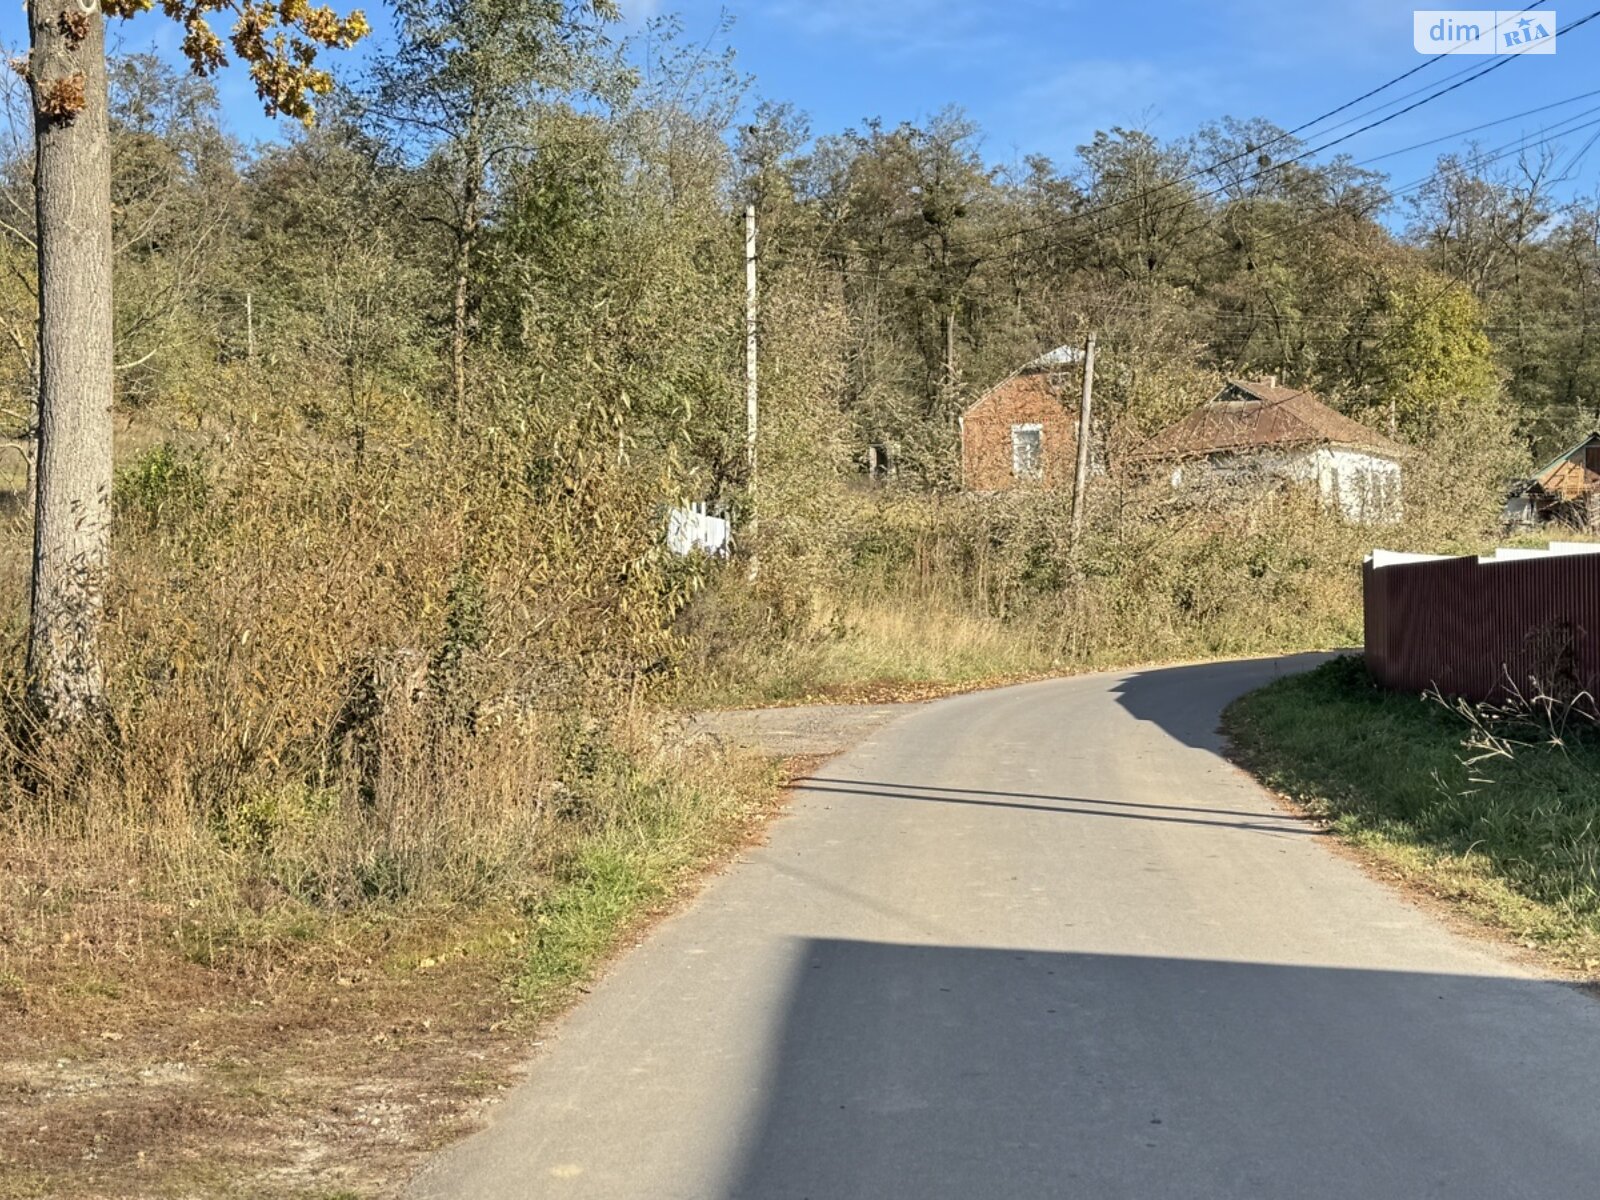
column 1027, row 451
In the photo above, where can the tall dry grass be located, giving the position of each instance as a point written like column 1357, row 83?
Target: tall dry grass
column 349, row 682
column 349, row 687
column 913, row 588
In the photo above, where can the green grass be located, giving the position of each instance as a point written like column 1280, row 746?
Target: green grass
column 1515, row 842
column 657, row 831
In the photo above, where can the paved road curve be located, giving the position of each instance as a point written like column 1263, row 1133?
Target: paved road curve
column 1044, row 942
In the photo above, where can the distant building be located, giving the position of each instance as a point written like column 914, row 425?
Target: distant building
column 1019, row 433
column 1567, row 489
column 1256, row 432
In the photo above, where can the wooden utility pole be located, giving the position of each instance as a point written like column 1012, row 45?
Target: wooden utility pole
column 1080, row 478
column 751, row 410
column 249, row 327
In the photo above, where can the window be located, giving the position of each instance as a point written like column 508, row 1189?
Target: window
column 1027, row 451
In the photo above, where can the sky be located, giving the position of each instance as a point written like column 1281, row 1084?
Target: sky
column 1041, row 77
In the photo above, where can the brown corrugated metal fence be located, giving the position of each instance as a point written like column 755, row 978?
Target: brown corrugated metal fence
column 1468, row 628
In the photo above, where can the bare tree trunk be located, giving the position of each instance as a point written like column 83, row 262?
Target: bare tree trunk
column 72, row 177
column 458, row 329
column 950, row 349
column 466, row 239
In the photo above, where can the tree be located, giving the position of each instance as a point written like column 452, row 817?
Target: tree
column 1146, row 212
column 177, row 198
column 1434, row 366
column 338, row 290
column 458, row 93
column 66, row 72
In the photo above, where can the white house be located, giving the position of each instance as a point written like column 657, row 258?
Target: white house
column 1256, row 430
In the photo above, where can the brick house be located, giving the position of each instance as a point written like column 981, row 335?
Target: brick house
column 1019, row 433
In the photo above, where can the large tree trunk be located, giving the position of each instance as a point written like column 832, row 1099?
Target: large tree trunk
column 72, row 176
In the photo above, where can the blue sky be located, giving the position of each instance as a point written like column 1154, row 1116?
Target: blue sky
column 1041, row 77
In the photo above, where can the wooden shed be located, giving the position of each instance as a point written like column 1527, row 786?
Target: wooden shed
column 1567, row 488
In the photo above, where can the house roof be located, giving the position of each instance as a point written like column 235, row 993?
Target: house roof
column 1563, row 477
column 1251, row 415
column 1568, row 479
column 1049, row 362
column 1061, row 356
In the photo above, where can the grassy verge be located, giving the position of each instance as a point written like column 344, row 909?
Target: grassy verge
column 157, row 1048
column 881, row 648
column 874, row 651
column 1513, row 843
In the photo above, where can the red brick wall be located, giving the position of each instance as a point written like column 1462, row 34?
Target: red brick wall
column 1030, row 399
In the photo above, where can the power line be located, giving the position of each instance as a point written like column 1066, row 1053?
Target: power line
column 1210, row 169
column 1505, row 150
column 1500, row 152
column 1528, row 112
column 1576, row 159
column 1216, row 314
column 1377, row 108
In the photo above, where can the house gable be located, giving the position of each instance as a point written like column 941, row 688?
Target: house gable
column 1574, row 472
column 1029, row 402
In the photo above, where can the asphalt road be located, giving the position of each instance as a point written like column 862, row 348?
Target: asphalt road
column 1045, row 942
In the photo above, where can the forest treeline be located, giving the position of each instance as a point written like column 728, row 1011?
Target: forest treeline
column 448, row 249
column 442, row 249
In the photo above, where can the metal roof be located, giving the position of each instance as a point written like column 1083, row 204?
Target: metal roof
column 1061, row 356
column 1253, row 415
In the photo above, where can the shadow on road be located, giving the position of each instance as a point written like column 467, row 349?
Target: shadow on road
column 942, row 1073
column 1125, row 810
column 1167, row 696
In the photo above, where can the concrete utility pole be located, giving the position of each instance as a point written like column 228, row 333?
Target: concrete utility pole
column 751, row 411
column 1080, row 478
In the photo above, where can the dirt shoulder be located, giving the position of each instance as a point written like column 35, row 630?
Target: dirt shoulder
column 133, row 1073
column 331, row 1063
column 328, row 1062
column 808, row 731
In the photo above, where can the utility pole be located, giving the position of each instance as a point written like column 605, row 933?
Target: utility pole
column 1080, row 479
column 751, row 411
column 249, row 328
